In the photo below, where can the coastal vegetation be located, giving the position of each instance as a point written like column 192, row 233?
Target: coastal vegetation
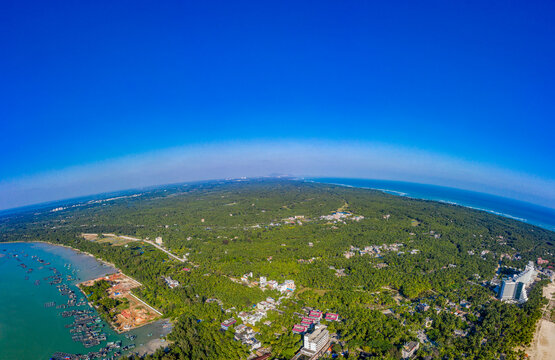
column 376, row 267
column 107, row 306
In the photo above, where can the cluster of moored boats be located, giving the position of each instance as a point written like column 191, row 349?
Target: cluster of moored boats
column 87, row 326
column 112, row 351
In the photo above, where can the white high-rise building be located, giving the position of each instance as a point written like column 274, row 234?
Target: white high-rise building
column 528, row 275
column 507, row 290
column 515, row 289
column 316, row 340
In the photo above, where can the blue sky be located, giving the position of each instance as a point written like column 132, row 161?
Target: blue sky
column 86, row 85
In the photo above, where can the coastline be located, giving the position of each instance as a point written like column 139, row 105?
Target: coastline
column 150, row 345
column 43, row 309
column 107, row 263
column 122, row 281
column 543, row 343
column 417, row 192
column 83, row 244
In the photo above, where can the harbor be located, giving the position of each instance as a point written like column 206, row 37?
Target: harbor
column 42, row 297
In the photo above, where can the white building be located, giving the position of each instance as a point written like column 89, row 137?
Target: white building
column 271, row 301
column 515, row 289
column 252, row 317
column 263, row 305
column 409, row 349
column 171, row 282
column 272, row 284
column 158, row 240
column 287, row 286
column 315, row 341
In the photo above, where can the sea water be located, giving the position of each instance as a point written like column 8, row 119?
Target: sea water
column 28, row 329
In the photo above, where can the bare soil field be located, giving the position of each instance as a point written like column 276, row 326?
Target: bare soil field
column 138, row 313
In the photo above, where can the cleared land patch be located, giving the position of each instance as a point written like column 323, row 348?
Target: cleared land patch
column 137, row 314
column 107, row 239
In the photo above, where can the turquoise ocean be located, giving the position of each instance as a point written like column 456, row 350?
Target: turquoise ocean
column 31, row 330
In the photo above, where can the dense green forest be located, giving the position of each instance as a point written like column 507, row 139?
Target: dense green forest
column 433, row 253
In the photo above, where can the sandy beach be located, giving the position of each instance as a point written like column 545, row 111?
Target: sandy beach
column 151, row 346
column 543, row 345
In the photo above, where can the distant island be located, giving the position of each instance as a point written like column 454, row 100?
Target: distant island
column 286, row 269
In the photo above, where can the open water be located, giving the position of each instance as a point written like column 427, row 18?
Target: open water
column 28, row 329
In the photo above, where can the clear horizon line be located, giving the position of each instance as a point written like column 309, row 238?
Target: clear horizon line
column 257, row 158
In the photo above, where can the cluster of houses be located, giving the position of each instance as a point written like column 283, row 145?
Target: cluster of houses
column 377, row 250
column 252, row 317
column 259, row 312
column 245, row 333
column 297, row 219
column 288, row 286
column 268, row 304
column 341, row 215
column 459, row 309
column 307, row 261
column 171, row 282
column 485, row 252
column 247, row 336
column 338, row 272
column 214, row 300
column 316, row 335
column 312, row 317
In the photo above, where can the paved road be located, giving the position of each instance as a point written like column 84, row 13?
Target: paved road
column 156, row 246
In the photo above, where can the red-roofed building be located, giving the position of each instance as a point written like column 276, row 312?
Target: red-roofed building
column 307, row 321
column 186, row 269
column 299, row 329
column 332, row 317
column 315, row 314
column 226, row 324
column 114, row 277
column 263, row 357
